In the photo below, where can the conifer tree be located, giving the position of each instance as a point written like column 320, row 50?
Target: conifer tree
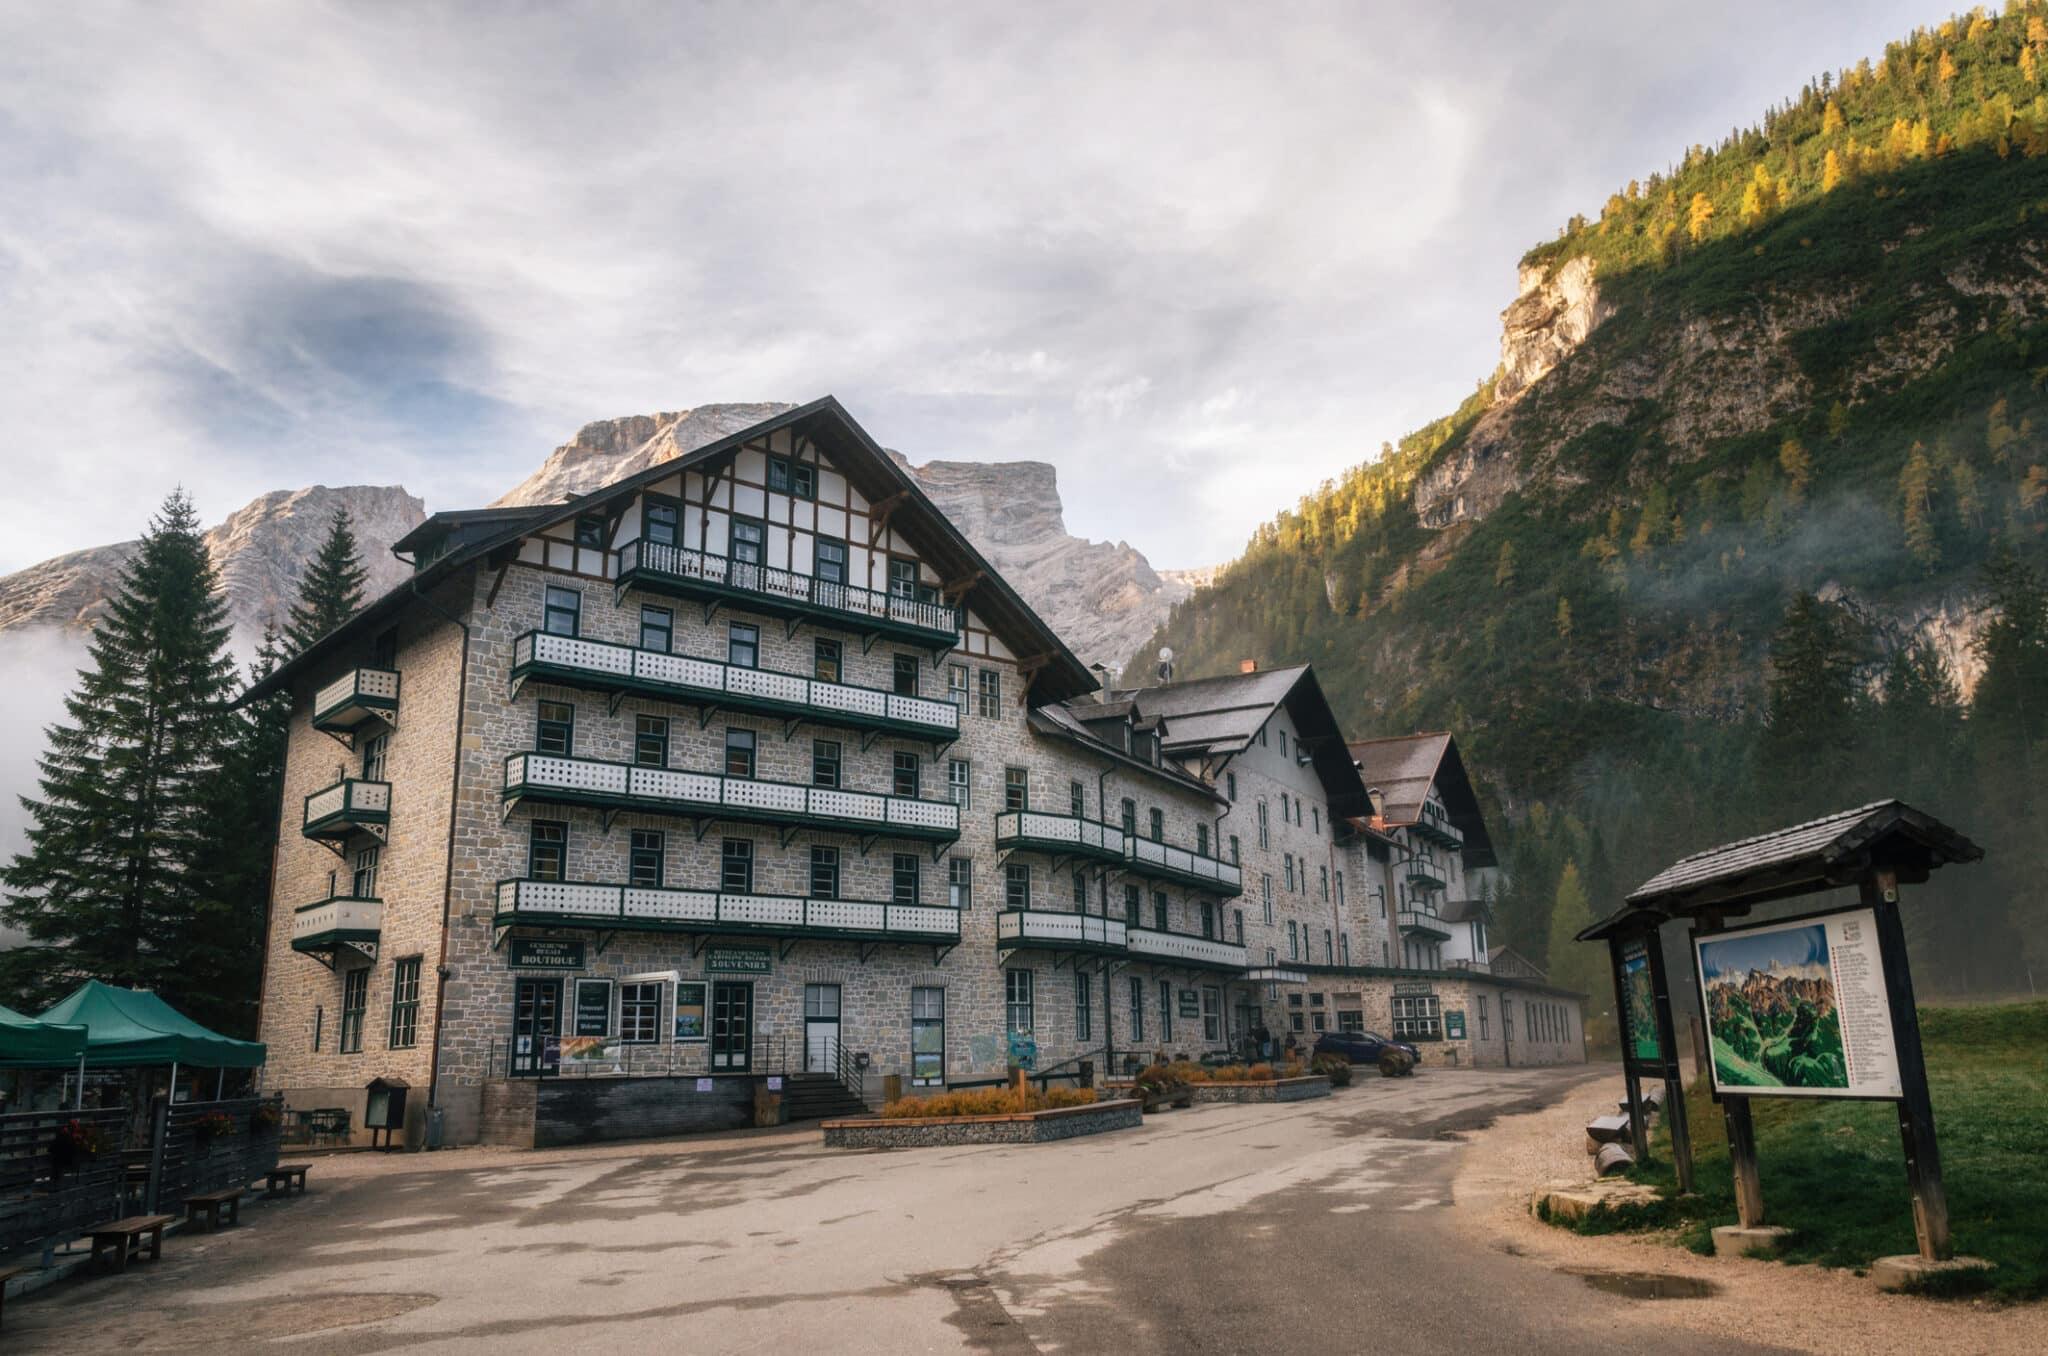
column 1797, row 465
column 1916, row 495
column 1504, row 567
column 1699, row 215
column 1810, row 728
column 1577, row 965
column 113, row 841
column 332, row 590
column 1831, row 121
column 1831, row 172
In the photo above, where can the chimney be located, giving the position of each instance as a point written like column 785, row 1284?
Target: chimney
column 1102, row 676
column 1247, row 666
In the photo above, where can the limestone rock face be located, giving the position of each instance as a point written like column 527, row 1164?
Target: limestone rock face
column 1551, row 317
column 261, row 550
column 612, row 449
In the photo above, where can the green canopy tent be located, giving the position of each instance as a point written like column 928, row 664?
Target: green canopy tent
column 128, row 1027
column 26, row 1043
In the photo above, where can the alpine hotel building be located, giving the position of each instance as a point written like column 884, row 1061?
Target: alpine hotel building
column 748, row 772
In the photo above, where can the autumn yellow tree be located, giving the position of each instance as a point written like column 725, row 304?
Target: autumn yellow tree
column 1832, row 121
column 1797, row 464
column 1564, row 620
column 2029, row 69
column 1760, row 197
column 1916, row 499
column 1830, row 172
column 1698, row 216
column 1922, row 144
column 1945, row 71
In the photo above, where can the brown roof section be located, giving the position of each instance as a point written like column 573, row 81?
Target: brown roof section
column 1402, row 768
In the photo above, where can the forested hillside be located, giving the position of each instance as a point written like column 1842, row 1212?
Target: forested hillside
column 1751, row 522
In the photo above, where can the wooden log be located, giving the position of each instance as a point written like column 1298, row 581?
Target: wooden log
column 1613, row 1160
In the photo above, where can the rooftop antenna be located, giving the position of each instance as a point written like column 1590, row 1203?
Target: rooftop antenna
column 1166, row 663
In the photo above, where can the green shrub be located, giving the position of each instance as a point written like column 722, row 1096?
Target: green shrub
column 1336, row 1068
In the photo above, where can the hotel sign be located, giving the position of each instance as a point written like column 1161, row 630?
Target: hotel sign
column 738, row 960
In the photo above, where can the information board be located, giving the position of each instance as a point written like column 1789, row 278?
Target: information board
column 593, row 1007
column 1799, row 1009
column 1641, row 1015
column 1190, row 1003
column 1454, row 1025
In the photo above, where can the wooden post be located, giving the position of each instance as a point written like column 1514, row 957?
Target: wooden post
column 1638, row 1127
column 1674, row 1081
column 1749, row 1190
column 1880, row 891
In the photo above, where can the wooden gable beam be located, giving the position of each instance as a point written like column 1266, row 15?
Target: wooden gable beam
column 1029, row 668
column 953, row 590
column 711, row 479
column 880, row 511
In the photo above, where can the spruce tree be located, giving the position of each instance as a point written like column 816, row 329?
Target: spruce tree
column 1581, row 966
column 332, row 590
column 1811, row 730
column 108, row 871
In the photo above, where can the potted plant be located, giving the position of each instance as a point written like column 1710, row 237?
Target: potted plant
column 265, row 1119
column 212, row 1126
column 76, row 1144
column 1334, row 1067
column 1160, row 1085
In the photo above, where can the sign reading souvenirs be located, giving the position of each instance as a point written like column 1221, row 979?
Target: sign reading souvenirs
column 737, row 960
column 1640, row 1015
column 546, row 953
column 1454, row 1025
column 1799, row 1009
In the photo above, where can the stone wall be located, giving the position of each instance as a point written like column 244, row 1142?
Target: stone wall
column 1032, row 1127
column 1277, row 1090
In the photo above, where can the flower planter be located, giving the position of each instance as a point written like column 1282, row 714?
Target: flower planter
column 1023, row 1127
column 1271, row 1090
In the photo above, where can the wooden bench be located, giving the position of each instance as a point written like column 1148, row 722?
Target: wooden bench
column 211, row 1202
column 280, row 1179
column 122, row 1235
column 7, row 1274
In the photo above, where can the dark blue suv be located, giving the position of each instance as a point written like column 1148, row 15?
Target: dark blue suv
column 1362, row 1047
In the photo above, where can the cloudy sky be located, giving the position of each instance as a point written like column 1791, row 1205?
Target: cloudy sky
column 1199, row 256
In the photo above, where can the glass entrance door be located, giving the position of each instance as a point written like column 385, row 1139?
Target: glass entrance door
column 821, row 1028
column 536, row 1016
column 732, row 1027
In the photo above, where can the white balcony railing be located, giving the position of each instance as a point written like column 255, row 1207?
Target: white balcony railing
column 627, row 905
column 356, row 693
column 349, row 800
column 1185, row 865
column 1179, row 946
column 355, row 917
column 1039, row 829
column 1045, row 926
column 1418, row 920
column 655, row 562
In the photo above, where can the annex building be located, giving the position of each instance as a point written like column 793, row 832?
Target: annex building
column 748, row 771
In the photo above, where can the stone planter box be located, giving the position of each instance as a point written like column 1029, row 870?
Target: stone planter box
column 1025, row 1127
column 1277, row 1090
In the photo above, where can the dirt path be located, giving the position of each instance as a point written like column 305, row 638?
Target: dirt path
column 1804, row 1307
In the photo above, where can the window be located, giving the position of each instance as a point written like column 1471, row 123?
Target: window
column 792, row 477
column 547, row 850
column 736, row 866
column 556, row 732
column 1016, row 885
column 829, row 561
column 1344, row 948
column 1483, row 1033
column 739, row 753
column 1159, row 911
column 1285, row 814
column 959, row 787
column 664, row 523
column 1230, row 785
column 825, row 660
column 1265, row 830
column 1166, row 1010
column 355, row 1001
column 1340, row 889
column 384, row 649
column 824, row 872
column 319, row 1021
column 903, row 879
column 1289, row 861
column 825, row 763
column 989, row 696
column 1084, row 1005
column 1316, row 814
column 906, row 779
column 363, row 881
column 1201, row 840
column 1212, row 1013
column 650, row 741
column 1326, row 881
column 903, row 577
column 1329, row 948
column 904, row 672
column 1157, row 825
column 1016, row 789
column 1130, row 817
column 1208, row 919
column 960, row 882
column 644, row 858
column 1417, row 1017
column 1283, row 754
column 1266, row 894
column 1351, row 1019
column 562, row 612
column 374, row 749
column 1133, row 902
column 749, row 541
column 1293, row 942
column 1137, row 999
column 956, row 685
column 1080, row 892
column 1077, row 800
column 590, row 530
column 1237, row 916
column 405, row 1003
column 927, row 1037
column 657, row 629
column 1017, row 1000
column 1233, row 850
column 742, row 645
column 640, row 1013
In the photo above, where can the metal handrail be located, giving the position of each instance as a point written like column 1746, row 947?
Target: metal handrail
column 784, row 586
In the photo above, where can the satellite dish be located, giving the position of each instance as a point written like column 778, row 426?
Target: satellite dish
column 1166, row 663
column 1166, row 654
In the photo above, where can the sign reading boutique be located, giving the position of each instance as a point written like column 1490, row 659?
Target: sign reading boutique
column 545, row 953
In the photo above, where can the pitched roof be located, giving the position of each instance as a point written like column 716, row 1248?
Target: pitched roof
column 1402, row 768
column 1462, row 910
column 1058, row 674
column 1821, row 854
column 1066, row 720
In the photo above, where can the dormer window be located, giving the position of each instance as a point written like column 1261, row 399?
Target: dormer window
column 792, row 477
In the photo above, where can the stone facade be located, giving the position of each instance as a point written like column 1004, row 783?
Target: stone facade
column 1278, row 1090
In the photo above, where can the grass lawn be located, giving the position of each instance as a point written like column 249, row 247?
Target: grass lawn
column 1836, row 1172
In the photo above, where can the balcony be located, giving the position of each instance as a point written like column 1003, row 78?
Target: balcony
column 1163, row 861
column 555, row 780
column 602, row 666
column 685, row 573
column 1180, row 948
column 1418, row 923
column 1275, row 974
column 1048, row 930
column 1060, row 835
column 348, row 808
column 1424, row 875
column 355, row 698
column 708, row 912
column 322, row 930
column 1477, row 967
column 1436, row 827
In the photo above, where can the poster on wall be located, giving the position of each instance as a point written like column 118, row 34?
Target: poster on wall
column 591, row 1054
column 1799, row 1009
column 689, row 1012
column 1643, row 1045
